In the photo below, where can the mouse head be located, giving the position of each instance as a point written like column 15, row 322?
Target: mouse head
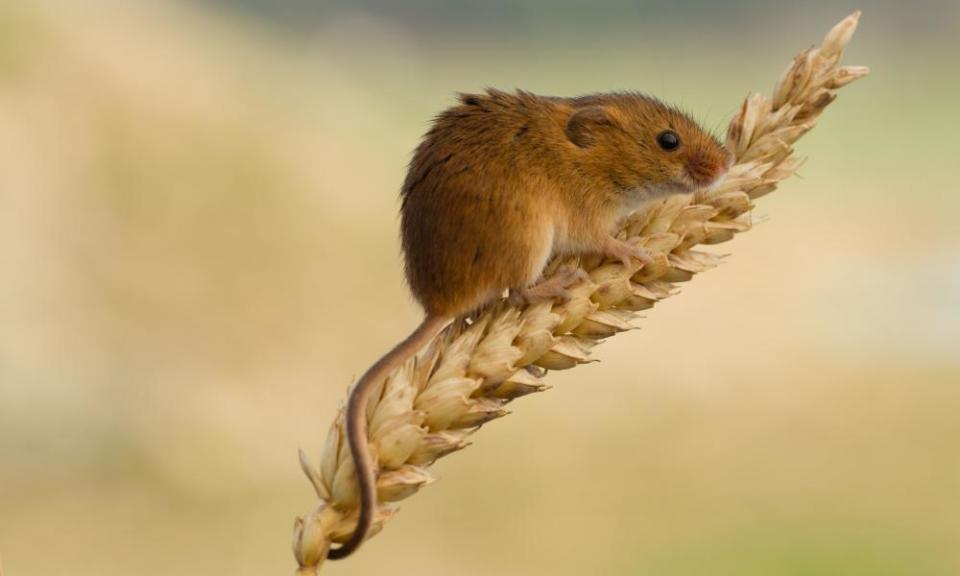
column 638, row 143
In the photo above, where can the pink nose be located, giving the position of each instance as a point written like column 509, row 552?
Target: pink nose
column 723, row 166
column 706, row 168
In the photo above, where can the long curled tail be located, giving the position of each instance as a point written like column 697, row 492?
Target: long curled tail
column 356, row 426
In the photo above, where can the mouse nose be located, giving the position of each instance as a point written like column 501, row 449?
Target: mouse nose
column 705, row 167
column 724, row 165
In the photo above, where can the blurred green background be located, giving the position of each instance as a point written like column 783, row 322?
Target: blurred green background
column 199, row 252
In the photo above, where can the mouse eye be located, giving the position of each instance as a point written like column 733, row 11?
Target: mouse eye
column 668, row 140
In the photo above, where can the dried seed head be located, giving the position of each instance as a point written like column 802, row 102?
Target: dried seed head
column 839, row 35
column 567, row 353
column 479, row 412
column 536, row 334
column 753, row 106
column 438, row 444
column 398, row 439
column 402, row 482
column 605, row 323
column 311, row 536
column 495, row 356
column 846, row 75
column 316, row 479
column 445, row 401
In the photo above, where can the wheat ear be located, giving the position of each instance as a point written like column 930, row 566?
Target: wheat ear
column 430, row 407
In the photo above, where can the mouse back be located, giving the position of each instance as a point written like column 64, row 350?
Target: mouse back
column 473, row 205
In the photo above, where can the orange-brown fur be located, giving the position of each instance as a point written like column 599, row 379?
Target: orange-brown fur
column 499, row 175
column 501, row 183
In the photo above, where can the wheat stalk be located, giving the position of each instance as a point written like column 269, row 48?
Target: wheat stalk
column 430, row 407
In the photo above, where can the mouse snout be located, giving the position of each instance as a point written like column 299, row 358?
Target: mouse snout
column 704, row 166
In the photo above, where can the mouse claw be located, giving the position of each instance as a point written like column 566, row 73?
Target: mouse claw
column 626, row 253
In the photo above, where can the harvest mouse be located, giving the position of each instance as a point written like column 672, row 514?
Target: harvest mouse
column 500, row 184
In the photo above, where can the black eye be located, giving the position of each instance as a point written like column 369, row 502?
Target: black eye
column 668, row 140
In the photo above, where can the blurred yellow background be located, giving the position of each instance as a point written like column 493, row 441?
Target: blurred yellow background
column 199, row 251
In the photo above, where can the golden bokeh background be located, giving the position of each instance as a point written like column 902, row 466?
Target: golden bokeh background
column 199, row 252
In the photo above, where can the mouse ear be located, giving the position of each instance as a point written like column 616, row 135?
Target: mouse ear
column 585, row 123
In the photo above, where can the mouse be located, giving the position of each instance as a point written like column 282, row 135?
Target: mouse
column 503, row 182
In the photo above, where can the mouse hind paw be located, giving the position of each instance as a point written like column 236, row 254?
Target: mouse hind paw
column 626, row 253
column 553, row 289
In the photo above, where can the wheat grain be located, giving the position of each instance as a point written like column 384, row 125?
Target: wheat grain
column 429, row 407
